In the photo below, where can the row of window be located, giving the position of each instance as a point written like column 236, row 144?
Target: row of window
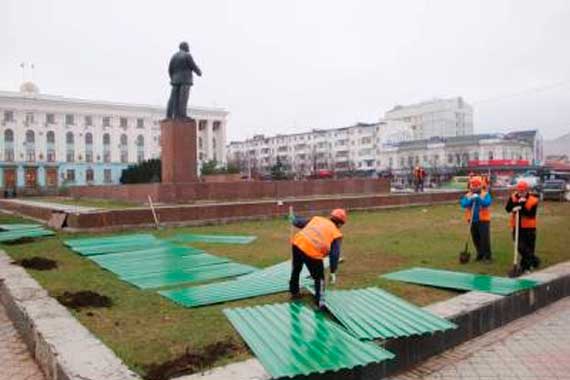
column 89, row 176
column 71, row 119
column 30, row 154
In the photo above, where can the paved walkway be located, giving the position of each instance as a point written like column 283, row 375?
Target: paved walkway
column 16, row 363
column 533, row 347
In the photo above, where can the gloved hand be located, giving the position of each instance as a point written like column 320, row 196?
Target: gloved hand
column 475, row 196
column 332, row 278
column 522, row 199
column 517, row 208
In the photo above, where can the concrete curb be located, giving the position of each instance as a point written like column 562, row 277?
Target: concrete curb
column 62, row 347
column 475, row 313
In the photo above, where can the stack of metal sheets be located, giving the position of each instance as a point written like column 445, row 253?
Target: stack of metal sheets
column 15, row 232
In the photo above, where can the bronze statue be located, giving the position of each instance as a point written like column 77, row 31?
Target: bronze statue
column 180, row 70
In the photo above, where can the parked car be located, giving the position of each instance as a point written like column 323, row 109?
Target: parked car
column 554, row 189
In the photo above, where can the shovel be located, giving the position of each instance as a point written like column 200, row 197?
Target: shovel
column 465, row 255
column 516, row 269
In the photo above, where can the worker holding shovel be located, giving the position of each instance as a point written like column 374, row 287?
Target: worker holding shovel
column 523, row 205
column 319, row 237
column 476, row 203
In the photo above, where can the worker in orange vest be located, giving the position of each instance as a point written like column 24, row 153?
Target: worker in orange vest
column 419, row 177
column 476, row 203
column 526, row 204
column 319, row 237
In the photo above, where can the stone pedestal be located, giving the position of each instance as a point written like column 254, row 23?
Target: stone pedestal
column 179, row 155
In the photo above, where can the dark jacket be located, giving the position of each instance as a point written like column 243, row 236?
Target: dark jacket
column 181, row 67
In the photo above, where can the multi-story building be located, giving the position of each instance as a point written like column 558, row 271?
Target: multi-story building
column 352, row 148
column 48, row 141
column 445, row 154
column 435, row 118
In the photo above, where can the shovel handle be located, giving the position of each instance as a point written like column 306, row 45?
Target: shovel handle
column 516, row 242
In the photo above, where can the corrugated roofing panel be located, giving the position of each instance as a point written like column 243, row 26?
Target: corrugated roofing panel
column 221, row 239
column 373, row 313
column 119, row 247
column 145, row 254
column 461, row 281
column 270, row 280
column 176, row 277
column 292, row 340
column 19, row 226
column 233, row 290
column 107, row 239
column 24, row 234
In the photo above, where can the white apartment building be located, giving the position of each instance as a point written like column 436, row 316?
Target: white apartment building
column 443, row 154
column 48, row 141
column 435, row 118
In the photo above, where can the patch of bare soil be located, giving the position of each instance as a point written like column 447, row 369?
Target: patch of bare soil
column 191, row 361
column 37, row 263
column 84, row 298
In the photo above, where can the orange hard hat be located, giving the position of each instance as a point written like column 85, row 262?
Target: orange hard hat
column 475, row 182
column 522, row 186
column 339, row 214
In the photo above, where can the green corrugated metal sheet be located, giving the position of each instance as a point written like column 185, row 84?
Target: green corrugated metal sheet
column 373, row 314
column 19, row 226
column 83, row 242
column 293, row 340
column 176, row 277
column 145, row 254
column 163, row 265
column 461, row 281
column 119, row 247
column 15, row 235
column 221, row 239
column 233, row 290
column 270, row 280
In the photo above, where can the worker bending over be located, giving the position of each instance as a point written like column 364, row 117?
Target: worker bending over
column 526, row 205
column 319, row 237
column 476, row 203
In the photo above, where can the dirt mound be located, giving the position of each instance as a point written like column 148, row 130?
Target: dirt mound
column 191, row 361
column 37, row 263
column 84, row 298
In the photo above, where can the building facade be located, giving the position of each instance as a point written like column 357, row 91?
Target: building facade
column 50, row 141
column 435, row 118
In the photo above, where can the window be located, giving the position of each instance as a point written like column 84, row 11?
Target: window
column 217, row 125
column 140, row 148
column 202, row 125
column 123, row 122
column 450, row 159
column 214, row 143
column 124, row 149
column 107, row 176
column 88, row 139
column 50, row 118
column 50, row 137
column 30, row 146
column 8, row 145
column 29, row 118
column 69, row 119
column 70, row 152
column 490, row 155
column 140, row 123
column 106, row 121
column 70, row 175
column 106, row 148
column 89, row 147
column 200, row 145
column 476, row 156
column 8, row 116
column 88, row 121
column 89, row 175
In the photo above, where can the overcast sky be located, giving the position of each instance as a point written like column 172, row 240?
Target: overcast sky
column 285, row 66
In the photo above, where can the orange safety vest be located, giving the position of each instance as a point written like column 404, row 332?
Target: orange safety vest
column 484, row 212
column 316, row 237
column 525, row 221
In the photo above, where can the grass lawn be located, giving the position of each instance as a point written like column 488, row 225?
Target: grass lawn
column 144, row 328
column 88, row 202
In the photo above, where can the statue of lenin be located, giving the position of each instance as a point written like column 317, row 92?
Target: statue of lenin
column 180, row 70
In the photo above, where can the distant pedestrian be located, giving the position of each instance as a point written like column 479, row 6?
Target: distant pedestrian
column 319, row 237
column 476, row 203
column 419, row 178
column 525, row 205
